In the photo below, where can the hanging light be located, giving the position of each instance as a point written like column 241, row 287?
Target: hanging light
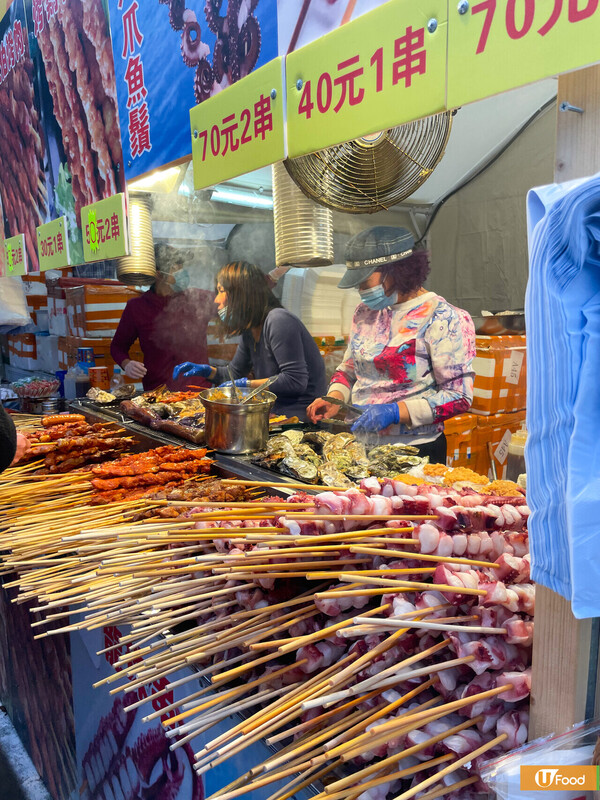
column 139, row 268
column 303, row 229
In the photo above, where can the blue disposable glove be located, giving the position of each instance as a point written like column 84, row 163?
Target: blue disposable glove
column 188, row 369
column 240, row 382
column 377, row 417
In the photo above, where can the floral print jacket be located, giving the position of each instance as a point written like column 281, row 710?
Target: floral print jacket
column 421, row 352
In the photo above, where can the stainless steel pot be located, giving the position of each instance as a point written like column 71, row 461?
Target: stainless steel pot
column 236, row 428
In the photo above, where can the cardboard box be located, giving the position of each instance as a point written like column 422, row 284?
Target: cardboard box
column 102, row 355
column 459, row 434
column 500, row 375
column 57, row 316
column 497, row 430
column 36, row 294
column 63, row 361
column 22, row 351
column 94, row 311
column 47, row 352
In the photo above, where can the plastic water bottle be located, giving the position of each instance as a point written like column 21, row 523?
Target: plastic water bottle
column 117, row 379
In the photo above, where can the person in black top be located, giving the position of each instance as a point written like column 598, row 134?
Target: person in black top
column 8, row 440
column 274, row 343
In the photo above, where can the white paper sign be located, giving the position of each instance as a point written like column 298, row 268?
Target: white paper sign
column 501, row 451
column 513, row 370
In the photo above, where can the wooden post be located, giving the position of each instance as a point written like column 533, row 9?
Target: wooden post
column 565, row 650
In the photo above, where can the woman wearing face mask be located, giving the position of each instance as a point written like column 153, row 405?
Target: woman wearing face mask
column 274, row 342
column 170, row 321
column 409, row 355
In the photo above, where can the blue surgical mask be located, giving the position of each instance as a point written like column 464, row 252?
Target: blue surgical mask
column 182, row 281
column 376, row 298
column 222, row 312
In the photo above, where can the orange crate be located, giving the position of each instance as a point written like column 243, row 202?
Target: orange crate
column 500, row 375
column 497, row 430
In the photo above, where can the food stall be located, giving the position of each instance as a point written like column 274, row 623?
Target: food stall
column 102, row 632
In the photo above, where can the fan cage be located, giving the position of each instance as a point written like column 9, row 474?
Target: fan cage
column 376, row 172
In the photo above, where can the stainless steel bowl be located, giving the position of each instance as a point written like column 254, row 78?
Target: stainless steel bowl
column 236, row 428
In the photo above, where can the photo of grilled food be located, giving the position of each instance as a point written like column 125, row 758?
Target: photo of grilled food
column 76, row 52
column 22, row 150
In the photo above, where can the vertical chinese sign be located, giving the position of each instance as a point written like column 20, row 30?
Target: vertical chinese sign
column 22, row 146
column 169, row 58
column 73, row 70
column 385, row 68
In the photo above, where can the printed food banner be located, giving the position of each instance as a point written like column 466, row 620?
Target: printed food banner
column 170, row 56
column 23, row 151
column 74, row 73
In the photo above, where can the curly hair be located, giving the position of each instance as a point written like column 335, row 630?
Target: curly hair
column 408, row 274
column 249, row 298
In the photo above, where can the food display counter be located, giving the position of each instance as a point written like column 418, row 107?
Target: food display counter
column 366, row 636
column 79, row 738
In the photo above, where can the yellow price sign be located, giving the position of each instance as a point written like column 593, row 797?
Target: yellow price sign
column 383, row 69
column 239, row 129
column 497, row 45
column 15, row 253
column 104, row 226
column 53, row 244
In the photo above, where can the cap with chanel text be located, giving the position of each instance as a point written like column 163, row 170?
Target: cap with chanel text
column 374, row 248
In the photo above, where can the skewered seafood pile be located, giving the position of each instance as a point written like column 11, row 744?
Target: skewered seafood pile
column 73, row 444
column 134, row 476
column 334, row 459
column 381, row 637
column 178, row 413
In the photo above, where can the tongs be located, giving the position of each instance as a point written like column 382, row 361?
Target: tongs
column 353, row 411
column 260, row 388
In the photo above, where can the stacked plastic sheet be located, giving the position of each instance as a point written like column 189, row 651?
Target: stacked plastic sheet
column 563, row 396
column 312, row 295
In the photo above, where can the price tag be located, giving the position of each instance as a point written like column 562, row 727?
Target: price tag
column 512, row 366
column 53, row 244
column 239, row 129
column 496, row 46
column 104, row 226
column 16, row 255
column 501, row 451
column 385, row 68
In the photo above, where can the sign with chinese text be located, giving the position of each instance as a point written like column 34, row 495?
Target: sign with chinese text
column 385, row 68
column 530, row 40
column 241, row 129
column 53, row 244
column 15, row 254
column 169, row 57
column 104, row 229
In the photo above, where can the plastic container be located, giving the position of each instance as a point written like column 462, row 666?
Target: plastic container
column 77, row 383
column 117, row 379
column 515, row 462
column 99, row 378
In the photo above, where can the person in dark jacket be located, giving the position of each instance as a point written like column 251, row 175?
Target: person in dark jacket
column 13, row 445
column 170, row 321
column 274, row 342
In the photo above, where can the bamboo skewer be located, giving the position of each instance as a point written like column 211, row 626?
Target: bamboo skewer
column 451, row 768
